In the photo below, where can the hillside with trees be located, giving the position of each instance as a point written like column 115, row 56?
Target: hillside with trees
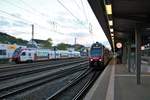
column 64, row 46
column 44, row 43
column 8, row 39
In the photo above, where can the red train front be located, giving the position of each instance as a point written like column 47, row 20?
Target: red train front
column 96, row 56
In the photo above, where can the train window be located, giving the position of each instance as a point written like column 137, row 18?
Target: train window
column 29, row 54
column 96, row 52
column 2, row 52
column 23, row 54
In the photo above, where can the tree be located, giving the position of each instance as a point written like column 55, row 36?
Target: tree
column 47, row 43
column 5, row 38
column 63, row 46
column 79, row 47
column 49, row 40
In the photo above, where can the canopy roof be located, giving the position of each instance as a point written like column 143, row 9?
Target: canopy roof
column 126, row 15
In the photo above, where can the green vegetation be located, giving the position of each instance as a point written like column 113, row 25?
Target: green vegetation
column 44, row 43
column 63, row 46
column 7, row 39
column 47, row 43
column 79, row 47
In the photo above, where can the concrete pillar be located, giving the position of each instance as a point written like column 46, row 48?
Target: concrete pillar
column 129, row 57
column 138, row 54
column 124, row 56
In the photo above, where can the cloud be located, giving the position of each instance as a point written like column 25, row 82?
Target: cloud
column 19, row 24
column 4, row 22
column 65, row 29
column 78, row 34
column 69, row 21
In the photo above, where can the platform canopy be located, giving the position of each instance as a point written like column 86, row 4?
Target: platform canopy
column 119, row 18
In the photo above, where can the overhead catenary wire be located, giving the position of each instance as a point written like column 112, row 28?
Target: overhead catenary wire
column 44, row 15
column 26, row 4
column 23, row 20
column 80, row 9
column 68, row 10
column 26, row 21
column 32, row 12
column 86, row 6
column 31, row 22
column 77, row 4
column 84, row 11
column 86, row 16
column 15, row 5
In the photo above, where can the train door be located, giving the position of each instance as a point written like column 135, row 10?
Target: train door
column 57, row 54
column 23, row 56
column 53, row 54
column 26, row 56
column 31, row 56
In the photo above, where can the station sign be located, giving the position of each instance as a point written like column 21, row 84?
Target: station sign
column 119, row 45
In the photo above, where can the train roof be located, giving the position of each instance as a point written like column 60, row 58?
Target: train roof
column 96, row 44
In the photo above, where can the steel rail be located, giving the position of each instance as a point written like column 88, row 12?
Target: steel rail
column 32, row 71
column 86, row 87
column 26, row 65
column 39, row 81
column 72, row 83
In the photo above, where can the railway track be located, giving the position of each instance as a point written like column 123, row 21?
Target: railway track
column 9, row 74
column 12, row 90
column 77, row 88
column 86, row 87
column 26, row 65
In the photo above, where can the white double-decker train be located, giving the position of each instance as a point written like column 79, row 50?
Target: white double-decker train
column 32, row 54
column 7, row 50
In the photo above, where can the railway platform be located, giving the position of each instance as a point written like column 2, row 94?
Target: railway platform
column 116, row 83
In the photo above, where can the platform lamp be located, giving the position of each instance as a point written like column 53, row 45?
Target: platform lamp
column 108, row 9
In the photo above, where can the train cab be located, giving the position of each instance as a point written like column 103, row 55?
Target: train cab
column 96, row 55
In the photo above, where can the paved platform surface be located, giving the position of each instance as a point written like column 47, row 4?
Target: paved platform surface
column 116, row 83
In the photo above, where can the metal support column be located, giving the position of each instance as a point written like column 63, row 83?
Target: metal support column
column 138, row 54
column 32, row 33
column 129, row 57
column 124, row 57
column 55, row 51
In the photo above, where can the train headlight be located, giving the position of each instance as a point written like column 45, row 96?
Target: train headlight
column 100, row 59
column 91, row 59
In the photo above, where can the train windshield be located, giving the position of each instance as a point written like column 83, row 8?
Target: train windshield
column 96, row 52
column 16, row 52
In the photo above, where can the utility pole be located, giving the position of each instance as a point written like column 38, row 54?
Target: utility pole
column 32, row 33
column 75, row 40
column 90, row 28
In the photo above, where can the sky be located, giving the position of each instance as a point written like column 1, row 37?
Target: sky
column 60, row 20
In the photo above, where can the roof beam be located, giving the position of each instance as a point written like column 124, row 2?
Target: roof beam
column 98, row 8
column 137, row 18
